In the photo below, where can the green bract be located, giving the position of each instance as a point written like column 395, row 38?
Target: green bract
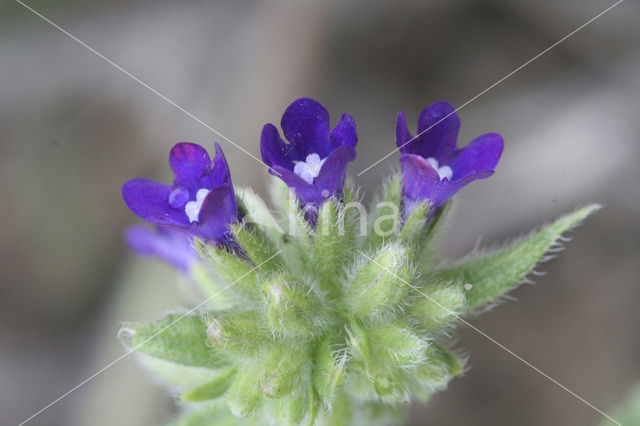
column 330, row 321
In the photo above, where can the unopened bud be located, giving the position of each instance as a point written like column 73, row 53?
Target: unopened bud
column 415, row 226
column 437, row 305
column 244, row 395
column 328, row 371
column 396, row 344
column 281, row 371
column 292, row 309
column 381, row 283
column 238, row 333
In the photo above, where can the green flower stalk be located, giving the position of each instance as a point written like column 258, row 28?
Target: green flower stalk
column 319, row 313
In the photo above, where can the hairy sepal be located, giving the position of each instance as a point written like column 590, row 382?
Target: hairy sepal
column 259, row 248
column 258, row 215
column 327, row 256
column 297, row 240
column 212, row 389
column 240, row 333
column 329, row 368
column 415, row 227
column 489, row 275
column 386, row 217
column 240, row 276
column 177, row 338
column 293, row 310
column 437, row 304
column 379, row 282
column 436, row 228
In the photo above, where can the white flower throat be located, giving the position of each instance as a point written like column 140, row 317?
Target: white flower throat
column 192, row 208
column 443, row 172
column 310, row 168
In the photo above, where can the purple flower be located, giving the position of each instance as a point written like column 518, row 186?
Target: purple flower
column 433, row 168
column 314, row 160
column 171, row 246
column 201, row 201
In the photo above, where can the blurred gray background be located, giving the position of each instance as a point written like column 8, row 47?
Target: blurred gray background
column 73, row 129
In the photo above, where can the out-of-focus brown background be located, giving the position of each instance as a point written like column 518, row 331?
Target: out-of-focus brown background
column 73, row 129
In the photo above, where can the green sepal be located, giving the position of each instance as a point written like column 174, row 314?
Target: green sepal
column 281, row 369
column 371, row 377
column 415, row 227
column 238, row 333
column 437, row 304
column 380, row 282
column 491, row 274
column 181, row 377
column 327, row 256
column 353, row 220
column 358, row 343
column 244, row 396
column 313, row 409
column 395, row 344
column 258, row 247
column 292, row 309
column 212, row 287
column 291, row 409
column 386, row 217
column 178, row 338
column 297, row 237
column 258, row 215
column 212, row 389
column 328, row 371
column 436, row 229
column 240, row 275
column 439, row 367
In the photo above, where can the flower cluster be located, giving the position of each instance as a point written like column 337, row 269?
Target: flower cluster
column 313, row 163
column 313, row 315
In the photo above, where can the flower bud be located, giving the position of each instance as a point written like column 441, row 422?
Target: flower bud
column 439, row 366
column 257, row 246
column 238, row 333
column 292, row 309
column 437, row 305
column 212, row 389
column 396, row 345
column 244, row 395
column 280, row 371
column 328, row 371
column 415, row 226
column 240, row 275
column 380, row 283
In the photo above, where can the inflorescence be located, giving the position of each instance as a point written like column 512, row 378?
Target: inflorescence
column 320, row 311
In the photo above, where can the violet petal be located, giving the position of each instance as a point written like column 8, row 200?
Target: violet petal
column 150, row 200
column 420, row 181
column 275, row 151
column 479, row 155
column 443, row 125
column 171, row 246
column 217, row 212
column 305, row 124
column 403, row 135
column 344, row 133
column 334, row 170
column 191, row 165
